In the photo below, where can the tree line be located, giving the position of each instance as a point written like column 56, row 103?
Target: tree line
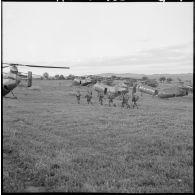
column 145, row 79
column 154, row 83
column 56, row 77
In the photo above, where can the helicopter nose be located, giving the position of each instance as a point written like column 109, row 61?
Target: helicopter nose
column 10, row 85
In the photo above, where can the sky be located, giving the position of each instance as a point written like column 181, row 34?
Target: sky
column 94, row 38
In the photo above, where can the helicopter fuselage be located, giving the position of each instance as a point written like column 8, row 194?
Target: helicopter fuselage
column 10, row 81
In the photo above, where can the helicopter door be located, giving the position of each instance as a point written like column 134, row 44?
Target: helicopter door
column 105, row 91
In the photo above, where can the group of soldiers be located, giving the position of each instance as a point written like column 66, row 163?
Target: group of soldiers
column 88, row 96
column 124, row 98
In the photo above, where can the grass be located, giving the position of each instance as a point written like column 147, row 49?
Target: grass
column 53, row 144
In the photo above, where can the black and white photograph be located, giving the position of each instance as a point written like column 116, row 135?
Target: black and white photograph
column 97, row 97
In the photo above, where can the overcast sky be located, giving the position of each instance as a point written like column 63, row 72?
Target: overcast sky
column 94, row 38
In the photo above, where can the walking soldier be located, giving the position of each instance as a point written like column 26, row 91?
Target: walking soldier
column 78, row 96
column 101, row 96
column 110, row 98
column 125, row 99
column 89, row 97
column 135, row 98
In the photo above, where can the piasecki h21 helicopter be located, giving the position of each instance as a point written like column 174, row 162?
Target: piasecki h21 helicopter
column 116, row 90
column 12, row 79
column 169, row 92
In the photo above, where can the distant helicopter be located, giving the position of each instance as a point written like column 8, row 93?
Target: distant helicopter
column 12, row 79
column 115, row 90
column 174, row 91
column 83, row 82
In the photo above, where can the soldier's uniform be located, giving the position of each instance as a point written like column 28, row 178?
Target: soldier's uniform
column 89, row 97
column 110, row 99
column 135, row 99
column 134, row 89
column 78, row 96
column 125, row 99
column 101, row 96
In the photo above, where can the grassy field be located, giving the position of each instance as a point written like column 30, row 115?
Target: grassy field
column 52, row 144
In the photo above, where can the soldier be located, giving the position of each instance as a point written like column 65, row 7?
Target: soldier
column 110, row 98
column 134, row 88
column 101, row 96
column 78, row 96
column 135, row 98
column 155, row 93
column 89, row 97
column 125, row 99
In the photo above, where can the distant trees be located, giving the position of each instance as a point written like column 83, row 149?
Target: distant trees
column 57, row 76
column 169, row 80
column 70, row 77
column 61, row 77
column 162, row 79
column 45, row 75
column 151, row 82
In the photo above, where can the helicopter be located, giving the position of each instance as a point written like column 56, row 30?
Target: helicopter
column 82, row 81
column 115, row 90
column 85, row 80
column 13, row 78
column 174, row 91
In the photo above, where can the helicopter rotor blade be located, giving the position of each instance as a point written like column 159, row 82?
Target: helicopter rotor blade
column 5, row 66
column 35, row 66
